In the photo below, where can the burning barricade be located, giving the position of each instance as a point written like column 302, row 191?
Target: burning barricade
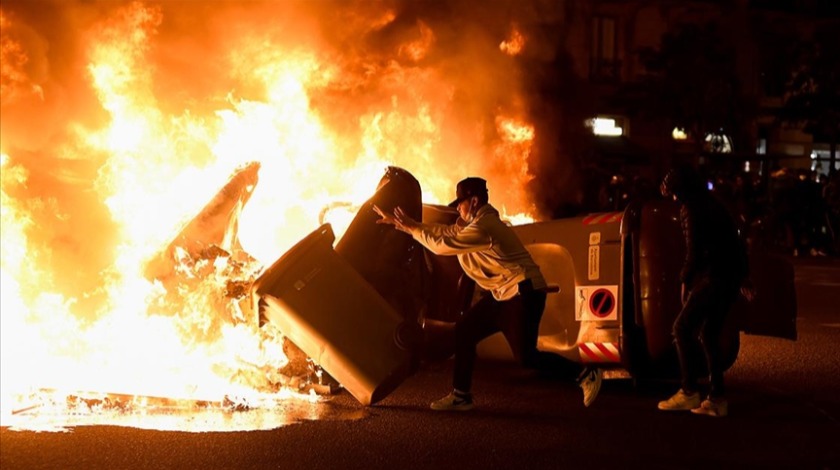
column 208, row 248
column 118, row 281
column 354, row 311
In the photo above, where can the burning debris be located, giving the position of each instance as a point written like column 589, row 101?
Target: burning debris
column 115, row 131
column 205, row 265
column 212, row 234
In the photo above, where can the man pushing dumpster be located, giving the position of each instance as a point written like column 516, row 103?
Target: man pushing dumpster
column 492, row 255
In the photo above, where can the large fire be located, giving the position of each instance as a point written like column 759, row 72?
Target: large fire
column 121, row 120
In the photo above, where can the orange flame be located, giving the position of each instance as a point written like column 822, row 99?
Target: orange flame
column 514, row 44
column 124, row 177
column 416, row 50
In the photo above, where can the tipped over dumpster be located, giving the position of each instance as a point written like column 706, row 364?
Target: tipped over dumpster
column 371, row 308
column 320, row 303
column 352, row 309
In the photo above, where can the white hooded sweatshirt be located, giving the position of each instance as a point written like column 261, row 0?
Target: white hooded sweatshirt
column 488, row 250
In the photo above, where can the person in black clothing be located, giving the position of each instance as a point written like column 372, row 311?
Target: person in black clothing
column 714, row 270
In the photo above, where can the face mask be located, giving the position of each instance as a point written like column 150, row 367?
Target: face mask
column 471, row 212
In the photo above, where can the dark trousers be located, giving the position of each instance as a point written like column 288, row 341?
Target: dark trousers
column 698, row 327
column 519, row 320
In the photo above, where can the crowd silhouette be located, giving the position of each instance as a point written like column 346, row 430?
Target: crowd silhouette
column 788, row 211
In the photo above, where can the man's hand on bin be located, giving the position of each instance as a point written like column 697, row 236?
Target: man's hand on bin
column 399, row 219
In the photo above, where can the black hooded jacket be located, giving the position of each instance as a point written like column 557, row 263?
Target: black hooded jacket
column 714, row 249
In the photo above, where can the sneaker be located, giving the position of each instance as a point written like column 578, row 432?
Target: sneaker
column 591, row 385
column 717, row 407
column 453, row 402
column 681, row 401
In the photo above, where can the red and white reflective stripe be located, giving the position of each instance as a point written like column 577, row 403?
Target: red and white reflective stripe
column 603, row 218
column 599, row 352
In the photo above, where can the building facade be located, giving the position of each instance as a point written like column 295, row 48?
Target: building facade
column 604, row 39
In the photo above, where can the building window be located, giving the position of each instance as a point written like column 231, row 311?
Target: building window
column 605, row 126
column 604, row 63
column 821, row 162
column 718, row 143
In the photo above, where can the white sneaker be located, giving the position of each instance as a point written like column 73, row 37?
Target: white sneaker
column 709, row 407
column 591, row 385
column 681, row 401
column 453, row 402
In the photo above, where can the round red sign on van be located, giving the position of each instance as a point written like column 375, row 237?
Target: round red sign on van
column 601, row 303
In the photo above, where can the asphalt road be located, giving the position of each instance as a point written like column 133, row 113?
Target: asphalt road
column 784, row 413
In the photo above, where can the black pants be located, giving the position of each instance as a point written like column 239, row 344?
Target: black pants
column 698, row 327
column 519, row 320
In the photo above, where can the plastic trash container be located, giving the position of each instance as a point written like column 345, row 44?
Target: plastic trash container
column 316, row 298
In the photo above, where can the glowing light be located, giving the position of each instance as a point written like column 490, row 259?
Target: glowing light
column 514, row 44
column 718, row 143
column 679, row 134
column 515, row 131
column 517, row 219
column 605, row 127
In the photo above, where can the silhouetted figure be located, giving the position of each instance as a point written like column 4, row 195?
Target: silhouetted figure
column 714, row 269
column 831, row 197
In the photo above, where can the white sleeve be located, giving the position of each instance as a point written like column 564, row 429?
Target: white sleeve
column 452, row 240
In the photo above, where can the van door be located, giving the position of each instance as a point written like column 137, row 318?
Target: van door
column 773, row 310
